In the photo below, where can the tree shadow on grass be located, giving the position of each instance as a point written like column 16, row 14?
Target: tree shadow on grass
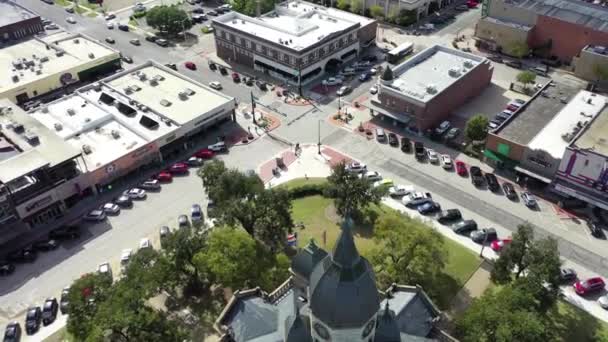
column 571, row 323
column 443, row 290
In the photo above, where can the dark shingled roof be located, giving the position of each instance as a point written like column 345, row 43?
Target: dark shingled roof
column 296, row 328
column 307, row 258
column 387, row 329
column 577, row 12
column 342, row 287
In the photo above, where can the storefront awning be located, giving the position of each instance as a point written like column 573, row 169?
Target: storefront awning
column 499, row 158
column 533, row 175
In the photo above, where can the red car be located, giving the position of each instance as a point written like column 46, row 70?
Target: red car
column 498, row 245
column 589, row 286
column 236, row 77
column 461, row 169
column 190, row 65
column 205, row 153
column 164, row 176
column 471, row 4
column 178, row 168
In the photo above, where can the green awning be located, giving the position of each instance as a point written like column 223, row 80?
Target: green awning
column 497, row 157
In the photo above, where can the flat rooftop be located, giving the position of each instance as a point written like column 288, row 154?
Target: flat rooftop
column 578, row 12
column 178, row 98
column 507, row 23
column 31, row 60
column 431, row 71
column 27, row 145
column 555, row 137
column 13, row 13
column 522, row 127
column 296, row 24
column 82, row 122
column 595, row 137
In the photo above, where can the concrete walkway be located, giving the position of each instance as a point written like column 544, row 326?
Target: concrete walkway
column 473, row 288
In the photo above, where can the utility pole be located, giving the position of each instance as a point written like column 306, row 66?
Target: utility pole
column 253, row 108
column 319, row 143
column 300, row 78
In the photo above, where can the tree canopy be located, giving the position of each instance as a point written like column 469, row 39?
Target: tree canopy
column 351, row 194
column 526, row 77
column 376, row 11
column 600, row 71
column 518, row 49
column 476, row 128
column 169, row 20
column 344, row 4
column 356, row 6
column 249, row 7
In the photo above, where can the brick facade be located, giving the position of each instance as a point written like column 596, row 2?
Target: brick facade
column 20, row 30
column 516, row 151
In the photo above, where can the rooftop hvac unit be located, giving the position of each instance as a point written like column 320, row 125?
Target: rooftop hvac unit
column 91, row 55
column 468, row 64
column 86, row 149
column 158, row 78
column 165, row 103
column 15, row 78
column 44, row 109
column 59, row 53
column 18, row 128
column 144, row 109
column 39, row 72
column 153, row 82
column 127, row 90
column 71, row 111
column 32, row 138
column 142, row 76
column 58, row 126
column 189, row 91
column 454, row 72
column 182, row 95
column 431, row 89
column 76, row 41
column 44, row 59
column 34, row 56
column 115, row 134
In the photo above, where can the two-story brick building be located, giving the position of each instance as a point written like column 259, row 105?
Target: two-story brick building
column 17, row 22
column 426, row 88
column 294, row 43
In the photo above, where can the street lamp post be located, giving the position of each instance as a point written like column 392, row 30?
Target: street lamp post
column 319, row 143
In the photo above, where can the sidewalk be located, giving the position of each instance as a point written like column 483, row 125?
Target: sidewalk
column 473, row 288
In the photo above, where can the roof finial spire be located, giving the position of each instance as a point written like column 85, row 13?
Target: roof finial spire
column 345, row 252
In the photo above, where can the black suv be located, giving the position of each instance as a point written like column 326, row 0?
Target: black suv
column 49, row 311
column 485, row 235
column 64, row 302
column 596, row 229
column 26, row 254
column 449, row 215
column 6, row 268
column 464, row 227
column 393, row 140
column 419, row 149
column 12, row 333
column 68, row 232
column 476, row 176
column 492, row 182
column 406, row 145
column 32, row 320
column 509, row 190
column 46, row 245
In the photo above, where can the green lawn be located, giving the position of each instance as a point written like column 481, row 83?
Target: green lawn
column 303, row 181
column 91, row 14
column 63, row 3
column 575, row 324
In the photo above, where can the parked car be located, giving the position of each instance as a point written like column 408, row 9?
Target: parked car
column 151, row 38
column 493, row 58
column 110, row 16
column 509, row 190
column 356, row 167
column 33, row 318
column 386, row 182
column 65, row 232
column 372, row 176
column 196, row 213
column 452, row 133
column 164, row 176
column 105, row 269
column 6, row 268
column 373, row 89
column 432, row 155
column 514, row 64
column 344, row 90
column 380, row 135
column 205, row 153
column 486, row 235
column 96, row 215
column 393, row 140
column 70, row 20
column 464, row 227
column 190, row 65
column 215, row 85
column 124, row 201
column 135, row 42
column 194, row 161
column 406, row 145
column 443, row 127
column 64, row 302
column 125, row 257
column 126, row 59
column 589, row 286
column 414, row 199
column 567, row 275
column 110, row 40
column 162, row 42
column 45, row 245
column 476, row 176
column 135, row 193
column 12, row 332
column 448, row 216
column 150, row 184
column 51, row 27
column 461, row 168
column 400, row 190
column 446, row 162
column 364, row 77
column 123, row 27
column 224, row 71
column 219, row 146
column 182, row 221
column 25, row 254
column 111, row 208
column 49, row 311
column 603, row 301
column 529, row 199
column 428, row 208
column 332, row 81
column 419, row 150
column 492, row 182
column 595, row 228
column 179, row 168
column 498, row 245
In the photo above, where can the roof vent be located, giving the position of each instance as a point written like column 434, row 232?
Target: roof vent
column 91, row 55
column 158, row 77
column 128, row 90
column 144, row 109
column 189, row 91
column 76, row 41
column 182, row 95
column 454, row 72
column 15, row 78
column 86, row 149
column 71, row 111
column 44, row 59
column 44, row 109
column 280, row 41
column 431, row 89
column 153, row 82
column 58, row 126
column 165, row 103
column 115, row 134
column 142, row 76
column 39, row 72
column 32, row 138
column 468, row 64
column 59, row 53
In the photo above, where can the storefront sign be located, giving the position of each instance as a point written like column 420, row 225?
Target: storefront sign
column 39, row 203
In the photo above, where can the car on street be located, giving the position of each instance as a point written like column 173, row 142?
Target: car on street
column 70, row 9
column 364, row 77
column 126, row 59
column 33, row 318
column 51, row 27
column 110, row 25
column 400, row 190
column 344, row 90
column 386, row 182
column 125, row 257
column 446, row 162
column 493, row 184
column 212, row 13
column 25, row 254
column 123, row 201
column 464, row 227
column 179, row 168
column 498, row 245
column 45, row 245
column 373, row 89
column 223, row 70
column 419, row 150
column 105, row 269
column 235, row 77
column 190, row 65
column 485, row 235
column 70, row 20
column 443, row 127
column 111, row 208
column 356, row 167
column 135, row 42
column 219, row 146
column 110, row 40
column 12, row 332
column 332, row 81
column 162, row 42
column 135, row 193
column 110, row 16
column 406, row 145
column 194, row 161
column 603, row 302
column 96, row 215
column 509, row 190
column 514, row 64
column 171, row 66
column 49, row 310
column 428, row 208
column 164, row 176
column 163, row 233
column 65, row 232
column 448, row 216
column 589, row 286
column 123, row 27
column 196, row 213
column 452, row 133
column 529, row 199
column 494, row 58
column 393, row 140
column 205, row 153
column 432, row 155
column 64, row 302
column 215, row 85
column 6, row 268
column 380, row 135
column 461, row 168
column 416, row 198
column 372, row 176
column 476, row 176
column 182, row 221
column 150, row 184
column 596, row 229
column 567, row 275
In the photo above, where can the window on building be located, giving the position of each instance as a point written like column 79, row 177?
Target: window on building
column 243, row 41
column 286, row 58
column 586, row 162
column 258, row 48
column 248, row 44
